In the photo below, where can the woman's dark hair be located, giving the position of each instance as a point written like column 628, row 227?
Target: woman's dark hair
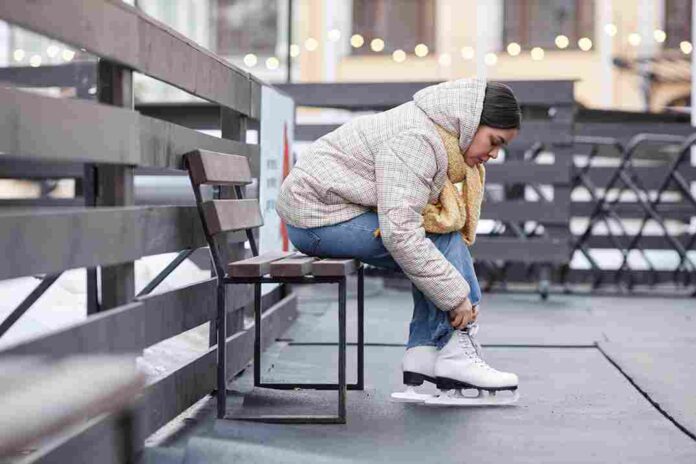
column 500, row 107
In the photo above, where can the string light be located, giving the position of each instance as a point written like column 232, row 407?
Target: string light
column 35, row 61
column 52, row 51
column 399, row 56
column 634, row 39
column 490, row 59
column 294, row 50
column 514, row 49
column 311, row 44
column 357, row 41
column 68, row 55
column 334, row 35
column 377, row 45
column 272, row 63
column 19, row 55
column 250, row 60
column 685, row 47
column 562, row 41
column 585, row 44
column 537, row 53
column 445, row 59
column 421, row 50
column 659, row 35
column 467, row 53
column 610, row 29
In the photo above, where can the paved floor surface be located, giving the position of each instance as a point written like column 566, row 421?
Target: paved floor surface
column 602, row 379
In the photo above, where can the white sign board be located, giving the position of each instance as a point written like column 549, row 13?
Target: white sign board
column 277, row 131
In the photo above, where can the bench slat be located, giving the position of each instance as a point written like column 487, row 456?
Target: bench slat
column 229, row 215
column 334, row 267
column 209, row 167
column 257, row 266
column 296, row 266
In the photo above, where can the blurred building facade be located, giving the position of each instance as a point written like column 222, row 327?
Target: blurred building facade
column 624, row 54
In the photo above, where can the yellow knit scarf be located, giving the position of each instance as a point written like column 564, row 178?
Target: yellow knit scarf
column 457, row 209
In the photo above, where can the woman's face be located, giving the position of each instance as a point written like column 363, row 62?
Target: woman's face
column 487, row 143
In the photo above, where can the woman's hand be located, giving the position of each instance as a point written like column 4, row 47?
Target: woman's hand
column 463, row 315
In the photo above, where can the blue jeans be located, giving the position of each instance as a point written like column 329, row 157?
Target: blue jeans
column 355, row 239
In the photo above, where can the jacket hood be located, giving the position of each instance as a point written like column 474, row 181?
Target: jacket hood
column 455, row 106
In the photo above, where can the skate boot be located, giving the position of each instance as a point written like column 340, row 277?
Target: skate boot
column 459, row 369
column 418, row 366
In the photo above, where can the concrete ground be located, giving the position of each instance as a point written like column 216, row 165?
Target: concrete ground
column 602, row 379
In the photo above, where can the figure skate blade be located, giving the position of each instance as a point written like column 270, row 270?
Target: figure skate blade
column 411, row 396
column 456, row 398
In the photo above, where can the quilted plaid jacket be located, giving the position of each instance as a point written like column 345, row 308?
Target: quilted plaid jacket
column 394, row 162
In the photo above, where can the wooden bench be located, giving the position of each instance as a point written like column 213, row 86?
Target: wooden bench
column 240, row 214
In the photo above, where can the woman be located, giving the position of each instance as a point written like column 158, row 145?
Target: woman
column 368, row 189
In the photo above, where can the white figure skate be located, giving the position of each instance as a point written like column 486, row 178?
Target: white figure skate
column 418, row 366
column 459, row 369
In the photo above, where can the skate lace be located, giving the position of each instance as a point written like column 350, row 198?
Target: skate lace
column 471, row 347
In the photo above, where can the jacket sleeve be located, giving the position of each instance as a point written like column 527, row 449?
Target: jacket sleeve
column 405, row 168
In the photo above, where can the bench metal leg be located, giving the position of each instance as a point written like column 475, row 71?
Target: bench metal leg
column 257, row 335
column 361, row 328
column 341, row 386
column 221, row 322
column 342, row 350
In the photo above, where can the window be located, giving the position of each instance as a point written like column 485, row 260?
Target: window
column 677, row 22
column 536, row 23
column 402, row 24
column 246, row 26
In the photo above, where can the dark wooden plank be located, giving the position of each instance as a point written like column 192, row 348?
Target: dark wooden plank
column 116, row 331
column 681, row 211
column 544, row 212
column 42, row 202
column 208, row 167
column 74, row 74
column 528, row 251
column 311, row 132
column 101, row 439
column 335, row 267
column 624, row 131
column 649, row 177
column 257, row 266
column 382, row 95
column 650, row 242
column 18, row 168
column 163, row 144
column 114, row 30
column 295, row 266
column 135, row 326
column 54, row 239
column 521, row 172
column 99, row 133
column 548, row 132
column 114, row 382
column 230, row 215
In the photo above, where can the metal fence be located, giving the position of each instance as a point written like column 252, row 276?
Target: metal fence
column 569, row 178
column 107, row 144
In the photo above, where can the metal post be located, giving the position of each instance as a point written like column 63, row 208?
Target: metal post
column 288, row 58
column 115, row 87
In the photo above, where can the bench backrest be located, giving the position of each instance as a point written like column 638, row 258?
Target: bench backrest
column 218, row 216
